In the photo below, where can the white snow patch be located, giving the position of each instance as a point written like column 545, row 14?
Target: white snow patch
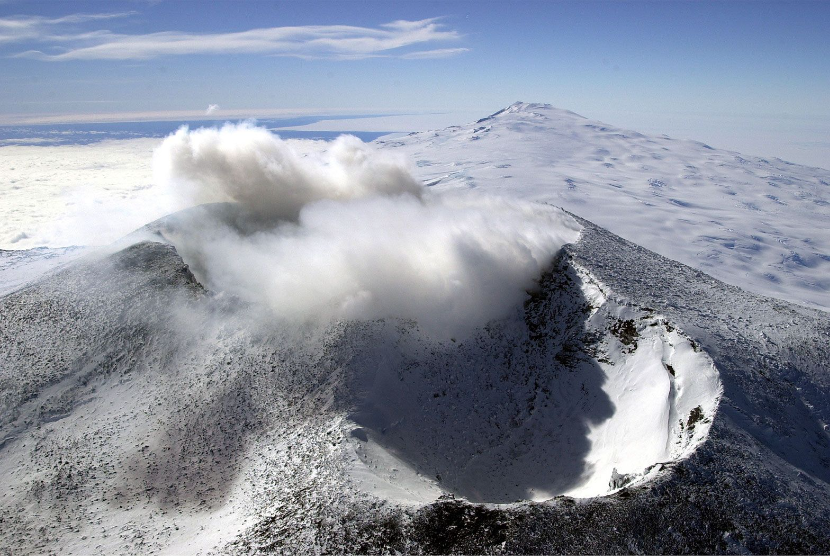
column 665, row 396
column 378, row 471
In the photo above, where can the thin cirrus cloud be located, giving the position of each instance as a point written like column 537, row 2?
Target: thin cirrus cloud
column 431, row 54
column 397, row 39
column 46, row 29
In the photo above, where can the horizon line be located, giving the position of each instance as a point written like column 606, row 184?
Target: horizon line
column 197, row 115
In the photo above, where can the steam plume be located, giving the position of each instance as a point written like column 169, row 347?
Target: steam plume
column 353, row 234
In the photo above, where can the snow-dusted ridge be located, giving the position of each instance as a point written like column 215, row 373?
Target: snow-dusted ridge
column 18, row 268
column 129, row 391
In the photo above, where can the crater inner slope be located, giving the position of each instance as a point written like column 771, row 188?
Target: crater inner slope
column 579, row 394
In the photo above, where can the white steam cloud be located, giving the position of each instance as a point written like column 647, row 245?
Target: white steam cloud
column 211, row 109
column 352, row 234
column 254, row 167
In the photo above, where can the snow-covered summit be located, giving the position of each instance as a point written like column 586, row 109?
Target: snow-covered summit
column 532, row 108
column 757, row 223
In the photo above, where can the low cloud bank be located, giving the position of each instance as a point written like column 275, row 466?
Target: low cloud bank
column 352, row 234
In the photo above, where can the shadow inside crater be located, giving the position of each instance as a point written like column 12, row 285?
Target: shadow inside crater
column 502, row 416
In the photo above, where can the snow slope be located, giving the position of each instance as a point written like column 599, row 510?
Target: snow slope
column 23, row 266
column 759, row 224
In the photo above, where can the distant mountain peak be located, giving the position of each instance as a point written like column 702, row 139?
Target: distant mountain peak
column 520, row 106
column 532, row 108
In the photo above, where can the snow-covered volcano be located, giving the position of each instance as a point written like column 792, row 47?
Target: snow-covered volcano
column 620, row 402
column 141, row 408
column 749, row 221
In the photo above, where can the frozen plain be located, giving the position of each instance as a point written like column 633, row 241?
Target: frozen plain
column 296, row 427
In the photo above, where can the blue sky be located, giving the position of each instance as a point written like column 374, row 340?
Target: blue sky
column 625, row 62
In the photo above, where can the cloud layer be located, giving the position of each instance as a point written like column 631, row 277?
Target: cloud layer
column 353, row 235
column 403, row 39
